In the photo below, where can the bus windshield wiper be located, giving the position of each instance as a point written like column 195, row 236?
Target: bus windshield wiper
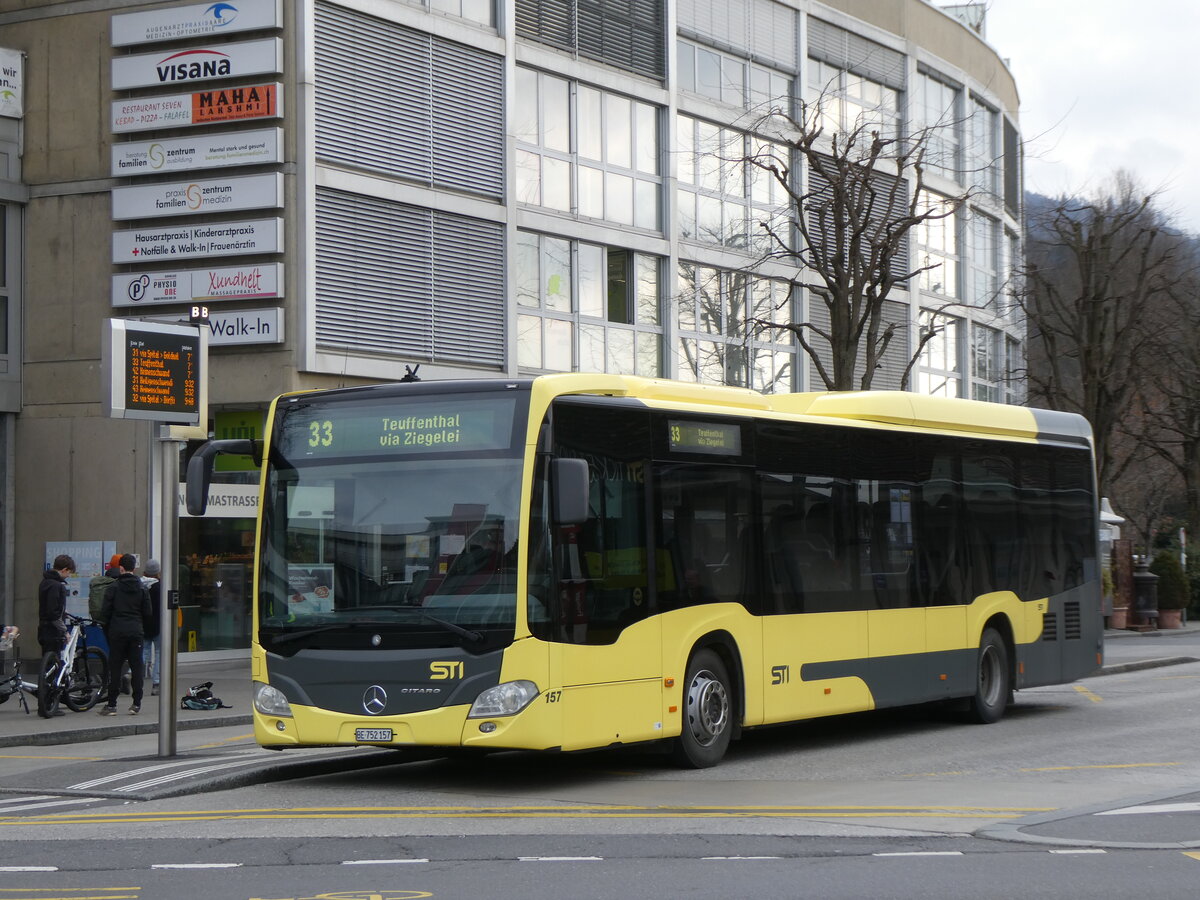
column 466, row 634
column 287, row 638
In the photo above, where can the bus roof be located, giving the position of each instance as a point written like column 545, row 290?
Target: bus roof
column 895, row 408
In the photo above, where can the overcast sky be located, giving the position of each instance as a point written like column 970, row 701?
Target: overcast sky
column 1107, row 84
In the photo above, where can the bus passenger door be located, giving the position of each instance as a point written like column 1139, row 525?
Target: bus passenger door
column 610, row 646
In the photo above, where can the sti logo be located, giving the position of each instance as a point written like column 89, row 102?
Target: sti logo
column 222, row 13
column 441, row 671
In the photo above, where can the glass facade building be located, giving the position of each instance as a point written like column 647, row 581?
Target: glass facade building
column 474, row 188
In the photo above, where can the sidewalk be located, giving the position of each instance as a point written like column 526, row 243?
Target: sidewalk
column 231, row 682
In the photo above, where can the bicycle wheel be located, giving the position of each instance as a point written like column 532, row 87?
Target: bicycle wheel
column 48, row 691
column 89, row 676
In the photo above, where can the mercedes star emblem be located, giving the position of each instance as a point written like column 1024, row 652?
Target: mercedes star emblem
column 374, row 700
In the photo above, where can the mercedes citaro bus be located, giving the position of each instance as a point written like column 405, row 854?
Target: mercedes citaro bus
column 583, row 561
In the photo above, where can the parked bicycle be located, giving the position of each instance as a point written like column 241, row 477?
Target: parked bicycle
column 77, row 675
column 15, row 684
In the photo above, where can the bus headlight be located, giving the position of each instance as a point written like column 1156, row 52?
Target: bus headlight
column 270, row 701
column 506, row 699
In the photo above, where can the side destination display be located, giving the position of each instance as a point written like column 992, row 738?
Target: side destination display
column 196, row 241
column 154, row 371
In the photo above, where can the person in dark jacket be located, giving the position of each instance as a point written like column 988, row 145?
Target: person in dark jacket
column 124, row 615
column 52, row 607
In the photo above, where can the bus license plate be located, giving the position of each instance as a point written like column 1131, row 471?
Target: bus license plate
column 373, row 735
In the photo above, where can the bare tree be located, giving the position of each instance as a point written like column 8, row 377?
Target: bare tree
column 847, row 231
column 1094, row 271
column 1166, row 420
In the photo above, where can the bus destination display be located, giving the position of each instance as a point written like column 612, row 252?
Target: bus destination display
column 704, row 437
column 438, row 427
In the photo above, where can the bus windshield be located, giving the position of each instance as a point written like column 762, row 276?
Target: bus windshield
column 391, row 524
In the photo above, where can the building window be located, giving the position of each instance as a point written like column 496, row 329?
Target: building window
column 729, row 79
column 939, row 372
column 481, row 11
column 848, row 102
column 983, row 149
column 721, row 338
column 1014, row 366
column 586, row 307
column 937, row 246
column 1012, row 276
column 723, row 199
column 587, row 152
column 629, row 35
column 986, row 375
column 937, row 113
column 985, row 259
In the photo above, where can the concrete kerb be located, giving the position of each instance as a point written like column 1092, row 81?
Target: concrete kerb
column 1011, row 831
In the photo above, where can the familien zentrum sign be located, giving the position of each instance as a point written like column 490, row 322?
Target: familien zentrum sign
column 210, row 151
column 202, row 20
column 258, row 101
column 187, row 198
column 253, row 281
column 195, row 241
column 190, row 64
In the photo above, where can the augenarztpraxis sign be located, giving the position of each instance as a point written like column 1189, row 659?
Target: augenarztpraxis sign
column 202, row 20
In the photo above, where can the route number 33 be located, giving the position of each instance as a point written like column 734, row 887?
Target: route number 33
column 320, row 434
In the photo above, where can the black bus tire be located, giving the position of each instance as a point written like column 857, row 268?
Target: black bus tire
column 993, row 680
column 708, row 711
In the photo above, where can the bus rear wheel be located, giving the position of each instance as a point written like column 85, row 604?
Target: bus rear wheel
column 707, row 713
column 993, row 684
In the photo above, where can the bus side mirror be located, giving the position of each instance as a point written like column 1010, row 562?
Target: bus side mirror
column 200, row 469
column 569, row 483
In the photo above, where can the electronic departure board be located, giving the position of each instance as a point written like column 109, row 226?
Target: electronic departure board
column 154, row 371
column 716, row 438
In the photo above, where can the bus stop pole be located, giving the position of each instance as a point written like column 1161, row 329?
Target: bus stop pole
column 167, row 608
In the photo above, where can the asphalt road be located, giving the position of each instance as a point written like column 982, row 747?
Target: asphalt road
column 1086, row 790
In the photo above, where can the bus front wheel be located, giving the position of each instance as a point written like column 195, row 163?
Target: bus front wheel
column 993, row 686
column 707, row 713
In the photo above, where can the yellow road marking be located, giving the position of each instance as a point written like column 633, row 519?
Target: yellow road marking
column 563, row 812
column 1192, row 854
column 1088, row 694
column 232, row 740
column 75, row 893
column 1110, row 766
column 39, row 756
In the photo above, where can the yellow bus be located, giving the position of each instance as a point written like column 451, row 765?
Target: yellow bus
column 578, row 561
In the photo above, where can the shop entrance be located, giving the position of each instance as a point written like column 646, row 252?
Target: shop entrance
column 215, row 577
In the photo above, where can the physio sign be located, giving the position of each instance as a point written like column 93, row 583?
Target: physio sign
column 253, row 281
